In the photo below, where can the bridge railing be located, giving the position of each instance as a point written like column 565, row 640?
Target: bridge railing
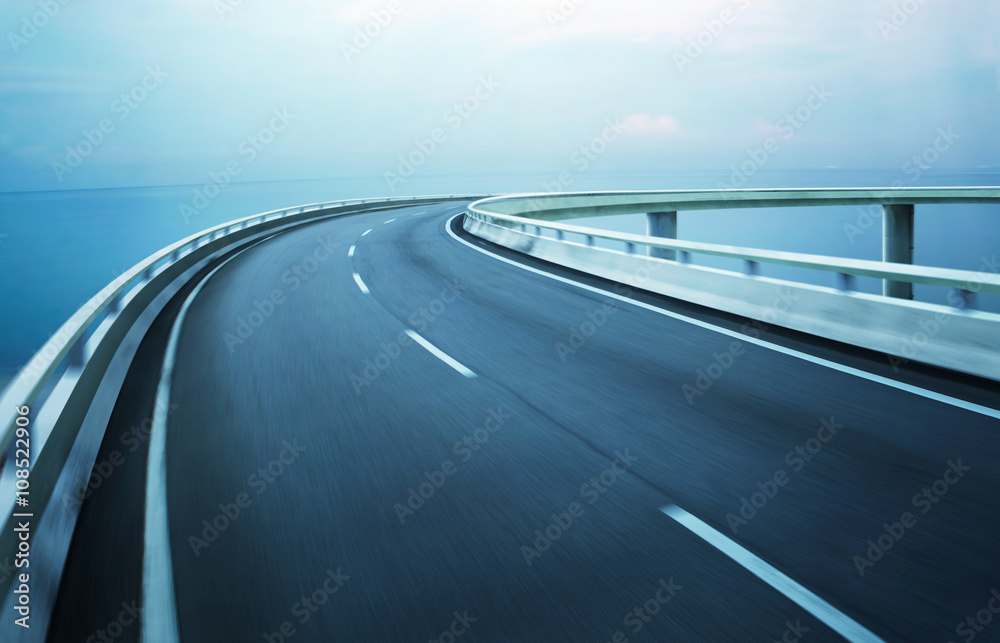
column 964, row 281
column 882, row 323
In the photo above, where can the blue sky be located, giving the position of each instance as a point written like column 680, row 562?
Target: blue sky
column 190, row 89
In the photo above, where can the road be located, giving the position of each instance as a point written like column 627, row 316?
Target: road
column 374, row 423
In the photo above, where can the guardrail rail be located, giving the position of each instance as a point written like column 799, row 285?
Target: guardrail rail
column 964, row 339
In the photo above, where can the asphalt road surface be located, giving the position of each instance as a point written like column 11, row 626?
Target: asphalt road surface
column 378, row 432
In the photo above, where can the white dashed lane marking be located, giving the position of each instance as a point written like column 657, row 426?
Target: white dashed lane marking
column 441, row 355
column 361, row 284
column 834, row 618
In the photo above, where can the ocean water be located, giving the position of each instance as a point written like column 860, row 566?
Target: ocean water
column 57, row 249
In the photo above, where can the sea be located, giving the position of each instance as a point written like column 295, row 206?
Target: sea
column 59, row 248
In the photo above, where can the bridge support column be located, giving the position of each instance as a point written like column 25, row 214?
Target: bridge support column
column 897, row 246
column 662, row 224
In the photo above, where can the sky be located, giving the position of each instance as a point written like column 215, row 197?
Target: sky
column 123, row 93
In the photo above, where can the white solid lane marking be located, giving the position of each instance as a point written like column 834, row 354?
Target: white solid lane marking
column 389, row 221
column 350, row 253
column 366, row 232
column 441, row 355
column 361, row 284
column 871, row 377
column 834, row 618
column 159, row 607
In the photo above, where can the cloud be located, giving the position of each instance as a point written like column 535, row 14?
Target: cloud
column 40, row 80
column 646, row 124
column 765, row 128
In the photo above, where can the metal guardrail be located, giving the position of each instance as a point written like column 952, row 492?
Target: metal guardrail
column 574, row 205
column 958, row 279
column 544, row 209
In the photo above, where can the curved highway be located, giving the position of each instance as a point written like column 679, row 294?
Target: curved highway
column 381, row 430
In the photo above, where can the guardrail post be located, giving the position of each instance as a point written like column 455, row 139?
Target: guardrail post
column 77, row 356
column 662, row 224
column 897, row 246
column 560, row 235
column 845, row 281
column 966, row 298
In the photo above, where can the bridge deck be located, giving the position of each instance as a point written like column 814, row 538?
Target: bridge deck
column 587, row 397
